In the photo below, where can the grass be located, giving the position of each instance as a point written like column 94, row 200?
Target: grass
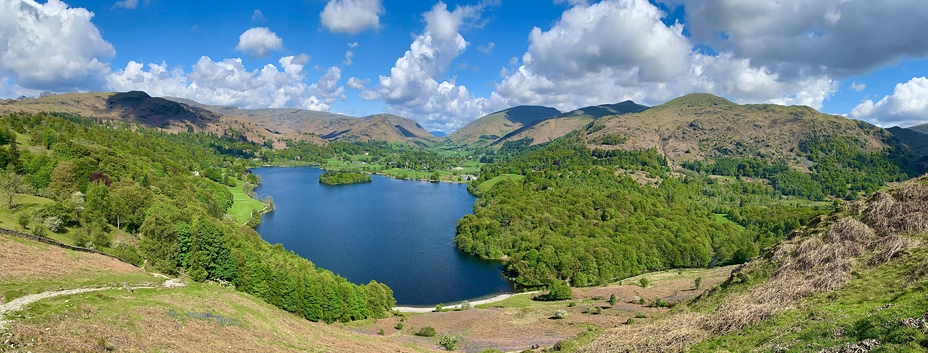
column 10, row 218
column 243, row 205
column 486, row 185
column 847, row 316
column 516, row 301
column 724, row 218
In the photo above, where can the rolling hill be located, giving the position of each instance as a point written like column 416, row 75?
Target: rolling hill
column 706, row 127
column 545, row 130
column 914, row 139
column 490, row 128
column 293, row 123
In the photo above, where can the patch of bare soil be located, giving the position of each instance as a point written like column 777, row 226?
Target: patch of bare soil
column 35, row 261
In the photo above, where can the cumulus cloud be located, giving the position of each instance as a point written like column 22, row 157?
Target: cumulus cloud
column 413, row 88
column 620, row 49
column 51, row 46
column 836, row 37
column 907, row 106
column 351, row 16
column 356, row 83
column 228, row 82
column 259, row 41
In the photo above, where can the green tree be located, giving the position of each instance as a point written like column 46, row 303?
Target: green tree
column 129, row 202
column 159, row 242
column 11, row 184
column 63, row 181
column 559, row 290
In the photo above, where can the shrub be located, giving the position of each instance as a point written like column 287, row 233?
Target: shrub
column 644, row 282
column 39, row 230
column 465, row 305
column 559, row 290
column 560, row 314
column 630, row 321
column 697, row 282
column 380, row 332
column 399, row 325
column 129, row 253
column 660, row 303
column 571, row 304
column 439, row 307
column 449, row 342
column 427, row 331
column 597, row 310
column 24, row 219
column 613, row 299
column 54, row 224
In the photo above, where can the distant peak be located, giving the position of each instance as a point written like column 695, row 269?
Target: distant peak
column 698, row 99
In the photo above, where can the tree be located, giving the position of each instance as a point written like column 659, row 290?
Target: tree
column 644, row 282
column 435, row 177
column 63, row 181
column 128, row 202
column 559, row 290
column 613, row 299
column 697, row 282
column 11, row 184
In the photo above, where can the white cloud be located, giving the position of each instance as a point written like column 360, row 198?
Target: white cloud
column 487, row 49
column 348, row 55
column 356, row 83
column 351, row 16
column 127, row 4
column 51, row 47
column 620, row 49
column 835, row 37
column 413, row 88
column 907, row 106
column 228, row 82
column 258, row 16
column 259, row 41
column 353, row 45
column 858, row 86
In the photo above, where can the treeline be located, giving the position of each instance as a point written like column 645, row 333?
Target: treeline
column 104, row 177
column 577, row 217
column 332, row 177
column 387, row 155
column 840, row 167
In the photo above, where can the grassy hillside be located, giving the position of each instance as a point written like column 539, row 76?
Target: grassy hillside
column 855, row 280
column 547, row 130
column 702, row 126
column 488, row 129
column 195, row 318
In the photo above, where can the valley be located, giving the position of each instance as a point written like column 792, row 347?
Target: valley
column 714, row 225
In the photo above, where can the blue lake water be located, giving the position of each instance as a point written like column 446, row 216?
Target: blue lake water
column 396, row 232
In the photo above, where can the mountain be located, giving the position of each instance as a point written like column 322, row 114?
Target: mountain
column 133, row 106
column 546, row 130
column 489, row 128
column 703, row 126
column 439, row 133
column 293, row 123
column 914, row 139
column 923, row 128
column 851, row 281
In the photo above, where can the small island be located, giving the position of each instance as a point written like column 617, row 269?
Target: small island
column 332, row 177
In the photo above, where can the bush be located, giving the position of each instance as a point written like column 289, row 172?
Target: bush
column 380, row 332
column 644, row 282
column 465, row 305
column 39, row 230
column 449, row 342
column 24, row 219
column 559, row 290
column 660, row 303
column 571, row 304
column 697, row 282
column 427, row 331
column 613, row 299
column 560, row 314
column 630, row 321
column 128, row 253
column 439, row 307
column 399, row 325
column 54, row 224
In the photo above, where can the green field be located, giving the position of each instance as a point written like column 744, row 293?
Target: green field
column 243, row 205
column 486, row 185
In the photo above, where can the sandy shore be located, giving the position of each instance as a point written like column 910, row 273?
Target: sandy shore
column 498, row 298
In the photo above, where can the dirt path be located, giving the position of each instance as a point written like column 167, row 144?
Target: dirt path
column 498, row 298
column 19, row 303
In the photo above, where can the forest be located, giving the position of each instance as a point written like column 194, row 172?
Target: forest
column 156, row 198
column 332, row 177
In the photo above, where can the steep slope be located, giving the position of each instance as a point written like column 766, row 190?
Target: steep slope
column 703, row 126
column 191, row 318
column 914, row 139
column 923, row 128
column 852, row 281
column 139, row 107
column 134, row 106
column 489, row 128
column 549, row 129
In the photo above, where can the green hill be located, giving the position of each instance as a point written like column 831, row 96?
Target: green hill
column 852, row 281
column 923, row 128
column 489, row 128
column 550, row 129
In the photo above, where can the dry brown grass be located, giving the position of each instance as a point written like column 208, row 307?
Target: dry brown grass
column 903, row 210
column 22, row 260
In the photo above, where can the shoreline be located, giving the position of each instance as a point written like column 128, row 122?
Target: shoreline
column 318, row 166
column 494, row 299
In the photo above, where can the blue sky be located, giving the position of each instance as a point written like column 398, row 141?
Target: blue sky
column 447, row 63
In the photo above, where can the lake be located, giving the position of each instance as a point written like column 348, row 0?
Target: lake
column 397, row 232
